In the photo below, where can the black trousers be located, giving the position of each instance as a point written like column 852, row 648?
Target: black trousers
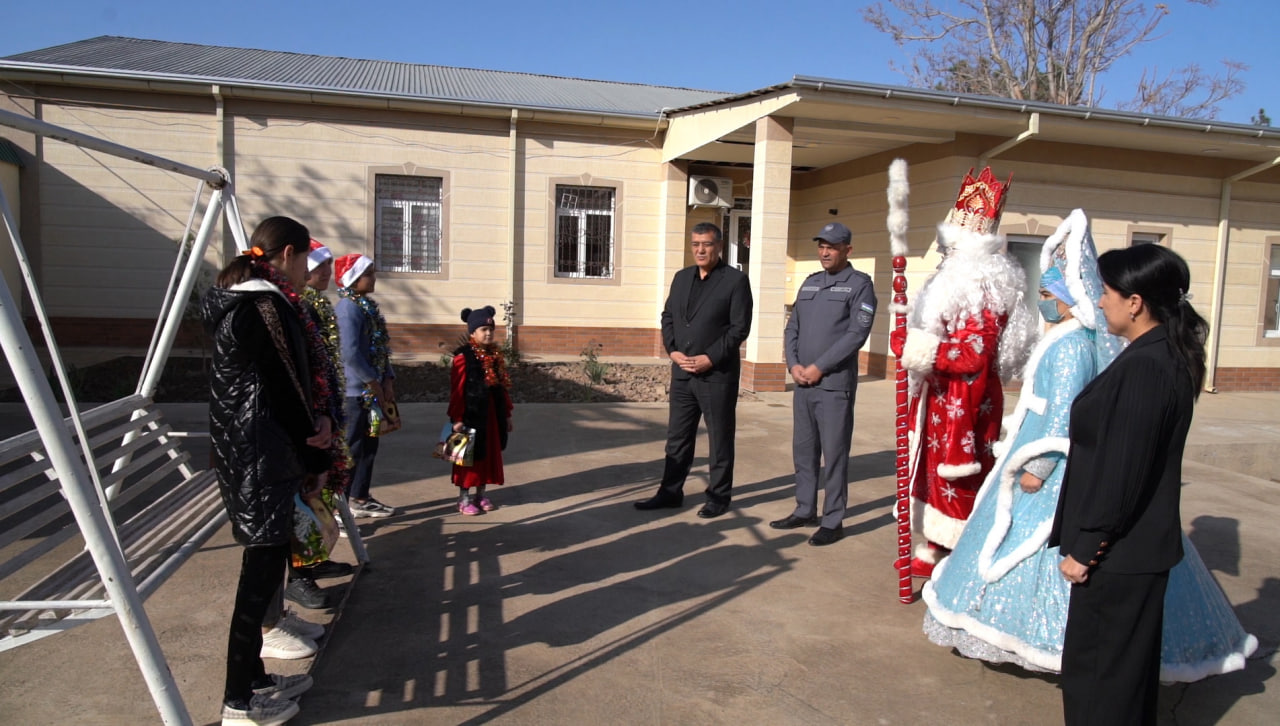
column 1111, row 652
column 261, row 577
column 693, row 399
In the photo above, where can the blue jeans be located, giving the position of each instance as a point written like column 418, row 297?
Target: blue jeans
column 363, row 447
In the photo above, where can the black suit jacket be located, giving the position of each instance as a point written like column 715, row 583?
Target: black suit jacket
column 1121, row 490
column 714, row 326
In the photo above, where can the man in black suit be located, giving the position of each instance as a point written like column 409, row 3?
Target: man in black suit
column 705, row 320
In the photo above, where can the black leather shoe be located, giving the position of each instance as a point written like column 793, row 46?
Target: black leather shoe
column 826, row 535
column 659, row 501
column 711, row 510
column 791, row 521
column 323, row 569
column 305, row 592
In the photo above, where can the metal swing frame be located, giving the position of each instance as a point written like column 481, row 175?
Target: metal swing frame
column 79, row 482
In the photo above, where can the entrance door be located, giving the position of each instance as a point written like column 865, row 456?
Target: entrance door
column 1026, row 250
column 738, row 249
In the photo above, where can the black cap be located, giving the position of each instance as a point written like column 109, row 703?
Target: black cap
column 834, row 233
column 478, row 318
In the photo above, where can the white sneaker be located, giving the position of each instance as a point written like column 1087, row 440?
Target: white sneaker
column 371, row 508
column 291, row 623
column 285, row 686
column 282, row 644
column 262, row 711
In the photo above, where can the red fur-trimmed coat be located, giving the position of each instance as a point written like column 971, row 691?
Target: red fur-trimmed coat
column 955, row 417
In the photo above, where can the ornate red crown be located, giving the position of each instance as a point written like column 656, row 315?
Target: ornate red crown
column 980, row 202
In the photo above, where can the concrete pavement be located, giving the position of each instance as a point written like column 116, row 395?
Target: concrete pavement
column 566, row 605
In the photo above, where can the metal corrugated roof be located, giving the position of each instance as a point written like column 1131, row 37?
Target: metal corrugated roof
column 134, row 57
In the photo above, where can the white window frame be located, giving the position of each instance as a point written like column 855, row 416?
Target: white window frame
column 582, row 215
column 1271, row 305
column 433, row 257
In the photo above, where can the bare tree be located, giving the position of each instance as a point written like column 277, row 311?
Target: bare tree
column 1045, row 50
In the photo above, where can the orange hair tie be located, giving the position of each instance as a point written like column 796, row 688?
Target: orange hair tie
column 254, row 251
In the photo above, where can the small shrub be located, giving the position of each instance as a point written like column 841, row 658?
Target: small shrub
column 510, row 355
column 595, row 370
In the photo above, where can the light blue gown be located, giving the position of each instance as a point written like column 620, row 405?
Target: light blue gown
column 1000, row 597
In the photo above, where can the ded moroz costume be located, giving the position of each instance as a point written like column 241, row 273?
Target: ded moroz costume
column 967, row 330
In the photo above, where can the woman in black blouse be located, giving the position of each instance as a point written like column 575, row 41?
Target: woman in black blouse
column 1117, row 525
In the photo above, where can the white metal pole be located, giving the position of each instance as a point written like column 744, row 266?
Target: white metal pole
column 42, row 128
column 234, row 220
column 174, row 276
column 78, row 488
column 164, row 345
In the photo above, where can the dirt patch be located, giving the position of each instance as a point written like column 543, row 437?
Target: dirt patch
column 185, row 380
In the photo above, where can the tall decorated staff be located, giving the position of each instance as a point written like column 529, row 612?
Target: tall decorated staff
column 897, row 222
column 968, row 330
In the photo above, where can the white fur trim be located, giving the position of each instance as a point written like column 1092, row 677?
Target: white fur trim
column 1002, row 640
column 317, row 257
column 989, row 568
column 895, row 308
column 897, row 220
column 1013, row 421
column 929, row 555
column 1072, row 232
column 952, row 472
column 939, row 528
column 1036, row 404
column 977, row 275
column 919, row 350
column 1189, row 672
column 1181, row 673
column 358, row 268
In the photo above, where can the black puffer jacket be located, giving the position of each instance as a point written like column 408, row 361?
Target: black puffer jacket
column 259, row 408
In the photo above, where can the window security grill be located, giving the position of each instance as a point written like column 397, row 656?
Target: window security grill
column 584, row 232
column 407, row 226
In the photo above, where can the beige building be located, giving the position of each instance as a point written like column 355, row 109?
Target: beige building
column 573, row 198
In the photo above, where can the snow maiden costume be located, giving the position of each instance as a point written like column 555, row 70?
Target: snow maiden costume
column 999, row 596
column 967, row 330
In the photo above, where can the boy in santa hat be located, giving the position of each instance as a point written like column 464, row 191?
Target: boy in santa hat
column 366, row 360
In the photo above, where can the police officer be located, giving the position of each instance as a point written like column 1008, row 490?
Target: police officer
column 830, row 321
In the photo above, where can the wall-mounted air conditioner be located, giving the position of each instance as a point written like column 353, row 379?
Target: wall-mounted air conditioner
column 710, row 191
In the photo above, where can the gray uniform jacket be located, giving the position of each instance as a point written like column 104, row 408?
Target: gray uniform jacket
column 829, row 323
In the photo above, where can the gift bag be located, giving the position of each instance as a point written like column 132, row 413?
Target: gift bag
column 458, row 447
column 315, row 531
column 383, row 418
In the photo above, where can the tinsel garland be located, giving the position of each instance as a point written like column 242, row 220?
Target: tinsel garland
column 495, row 369
column 340, row 475
column 317, row 354
column 379, row 341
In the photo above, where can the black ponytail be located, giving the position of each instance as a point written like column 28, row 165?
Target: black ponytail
column 1161, row 277
column 268, row 242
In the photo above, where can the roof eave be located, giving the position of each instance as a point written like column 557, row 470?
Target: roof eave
column 1084, row 113
column 200, row 85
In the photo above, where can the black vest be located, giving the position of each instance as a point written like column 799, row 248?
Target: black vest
column 478, row 398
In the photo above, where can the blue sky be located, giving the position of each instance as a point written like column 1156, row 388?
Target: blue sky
column 728, row 45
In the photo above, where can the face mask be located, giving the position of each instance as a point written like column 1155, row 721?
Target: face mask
column 1049, row 310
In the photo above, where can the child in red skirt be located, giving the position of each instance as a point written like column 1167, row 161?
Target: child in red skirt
column 479, row 400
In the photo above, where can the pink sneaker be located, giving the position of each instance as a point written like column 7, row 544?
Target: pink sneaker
column 469, row 508
column 486, row 505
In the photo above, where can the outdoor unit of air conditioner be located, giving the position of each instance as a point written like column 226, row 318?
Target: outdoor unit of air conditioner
column 710, row 191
